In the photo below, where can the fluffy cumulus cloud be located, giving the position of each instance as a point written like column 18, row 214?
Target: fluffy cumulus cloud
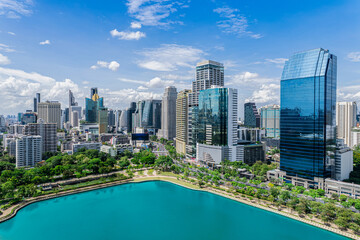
column 46, row 42
column 169, row 57
column 135, row 25
column 155, row 82
column 154, row 12
column 267, row 94
column 113, row 65
column 248, row 79
column 234, row 23
column 15, row 8
column 4, row 60
column 127, row 35
column 19, row 88
column 348, row 93
column 354, row 56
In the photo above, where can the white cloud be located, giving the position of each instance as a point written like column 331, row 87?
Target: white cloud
column 153, row 12
column 15, row 8
column 19, row 88
column 4, row 60
column 113, row 65
column 46, row 42
column 11, row 33
column 277, row 60
column 135, row 25
column 6, row 48
column 354, row 56
column 234, row 23
column 169, row 57
column 249, row 79
column 127, row 35
column 348, row 93
column 85, row 82
column 267, row 94
column 156, row 82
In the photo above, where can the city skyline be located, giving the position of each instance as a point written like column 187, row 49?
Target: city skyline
column 133, row 49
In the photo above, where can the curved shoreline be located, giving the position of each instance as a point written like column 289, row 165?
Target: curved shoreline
column 15, row 209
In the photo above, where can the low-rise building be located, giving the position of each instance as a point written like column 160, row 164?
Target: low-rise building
column 343, row 160
column 86, row 145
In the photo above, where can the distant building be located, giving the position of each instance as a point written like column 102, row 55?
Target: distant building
column 47, row 131
column 93, row 105
column 250, row 134
column 111, row 118
column 9, row 144
column 36, row 102
column 87, row 145
column 74, row 119
column 343, row 160
column 148, row 114
column 28, row 117
column 16, row 129
column 168, row 114
column 103, row 120
column 249, row 152
column 28, row 151
column 270, row 120
column 182, row 121
column 50, row 112
column 355, row 137
column 251, row 115
column 345, row 120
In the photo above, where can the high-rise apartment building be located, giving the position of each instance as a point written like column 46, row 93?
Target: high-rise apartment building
column 251, row 115
column 74, row 119
column 50, row 112
column 28, row 151
column 216, row 125
column 47, row 131
column 168, row 114
column 270, row 120
column 130, row 111
column 345, row 120
column 208, row 73
column 307, row 117
column 182, row 121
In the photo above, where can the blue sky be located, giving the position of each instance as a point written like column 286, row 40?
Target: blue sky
column 132, row 49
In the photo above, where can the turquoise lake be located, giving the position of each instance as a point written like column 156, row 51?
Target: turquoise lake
column 152, row 210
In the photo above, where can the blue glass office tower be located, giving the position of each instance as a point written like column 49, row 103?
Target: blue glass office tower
column 307, row 117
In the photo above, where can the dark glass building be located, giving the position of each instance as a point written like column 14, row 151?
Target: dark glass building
column 92, row 106
column 251, row 115
column 307, row 117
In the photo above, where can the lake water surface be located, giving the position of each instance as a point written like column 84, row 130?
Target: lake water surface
column 152, row 210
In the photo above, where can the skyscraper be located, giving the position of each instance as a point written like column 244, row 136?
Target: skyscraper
column 93, row 91
column 216, row 125
column 270, row 120
column 345, row 120
column 168, row 114
column 208, row 73
column 50, row 112
column 129, row 115
column 307, row 118
column 251, row 115
column 93, row 105
column 182, row 121
column 103, row 120
column 36, row 101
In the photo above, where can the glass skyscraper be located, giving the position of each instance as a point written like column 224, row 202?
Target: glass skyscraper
column 307, row 118
column 92, row 106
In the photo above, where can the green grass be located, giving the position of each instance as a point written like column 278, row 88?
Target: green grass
column 170, row 174
column 150, row 172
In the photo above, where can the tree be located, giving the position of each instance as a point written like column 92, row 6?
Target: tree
column 328, row 213
column 342, row 222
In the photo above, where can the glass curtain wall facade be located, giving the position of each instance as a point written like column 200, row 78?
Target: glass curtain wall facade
column 212, row 117
column 92, row 109
column 307, row 117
